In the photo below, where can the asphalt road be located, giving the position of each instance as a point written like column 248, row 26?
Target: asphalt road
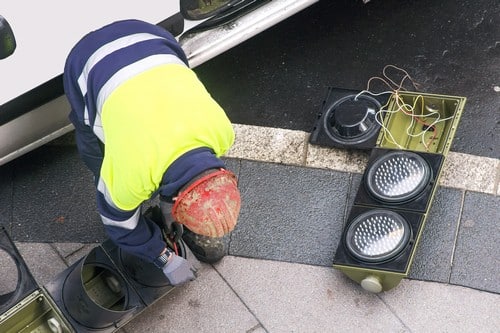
column 280, row 77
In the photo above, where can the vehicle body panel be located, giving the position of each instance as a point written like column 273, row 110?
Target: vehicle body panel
column 47, row 30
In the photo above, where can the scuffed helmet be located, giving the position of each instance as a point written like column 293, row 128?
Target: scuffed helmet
column 210, row 205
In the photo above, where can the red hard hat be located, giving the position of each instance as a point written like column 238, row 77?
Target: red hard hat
column 210, row 205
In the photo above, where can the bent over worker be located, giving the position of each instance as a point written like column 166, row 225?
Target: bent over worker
column 146, row 126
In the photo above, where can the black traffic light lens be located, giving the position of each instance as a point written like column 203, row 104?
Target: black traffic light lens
column 377, row 235
column 398, row 176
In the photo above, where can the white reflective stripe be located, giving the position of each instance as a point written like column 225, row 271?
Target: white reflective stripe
column 129, row 224
column 101, row 187
column 86, row 120
column 107, row 49
column 98, row 131
column 82, row 83
column 130, row 71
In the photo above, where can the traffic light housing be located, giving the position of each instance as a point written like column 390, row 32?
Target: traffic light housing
column 99, row 293
column 94, row 295
column 386, row 220
column 108, row 287
column 145, row 278
column 347, row 119
column 28, row 305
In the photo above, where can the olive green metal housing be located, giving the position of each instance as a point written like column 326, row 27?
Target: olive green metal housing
column 418, row 122
column 444, row 112
column 35, row 313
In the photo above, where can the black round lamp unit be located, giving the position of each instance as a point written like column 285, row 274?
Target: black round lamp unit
column 348, row 119
column 398, row 176
column 351, row 120
column 377, row 235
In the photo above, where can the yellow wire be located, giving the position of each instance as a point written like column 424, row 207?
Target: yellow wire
column 401, row 106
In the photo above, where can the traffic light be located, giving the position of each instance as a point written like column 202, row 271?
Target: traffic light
column 145, row 278
column 390, row 208
column 99, row 293
column 107, row 288
column 94, row 295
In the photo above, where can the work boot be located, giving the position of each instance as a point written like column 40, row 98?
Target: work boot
column 206, row 249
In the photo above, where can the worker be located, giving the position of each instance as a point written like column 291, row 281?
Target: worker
column 146, row 127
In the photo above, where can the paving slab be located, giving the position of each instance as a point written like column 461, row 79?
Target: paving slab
column 476, row 261
column 289, row 213
column 207, row 304
column 434, row 254
column 470, row 172
column 437, row 307
column 68, row 249
column 288, row 297
column 268, row 144
column 42, row 260
column 81, row 250
column 356, row 180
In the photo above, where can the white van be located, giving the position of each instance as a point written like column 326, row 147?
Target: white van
column 35, row 39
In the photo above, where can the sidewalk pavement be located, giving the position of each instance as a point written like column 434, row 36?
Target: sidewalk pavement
column 278, row 276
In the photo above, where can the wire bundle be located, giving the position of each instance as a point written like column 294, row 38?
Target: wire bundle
column 419, row 113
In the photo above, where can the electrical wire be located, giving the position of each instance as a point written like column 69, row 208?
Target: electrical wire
column 400, row 106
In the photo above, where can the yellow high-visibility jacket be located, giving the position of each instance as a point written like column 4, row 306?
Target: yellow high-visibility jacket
column 144, row 124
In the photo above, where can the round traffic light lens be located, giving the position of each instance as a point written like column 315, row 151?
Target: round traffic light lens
column 377, row 235
column 398, row 176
